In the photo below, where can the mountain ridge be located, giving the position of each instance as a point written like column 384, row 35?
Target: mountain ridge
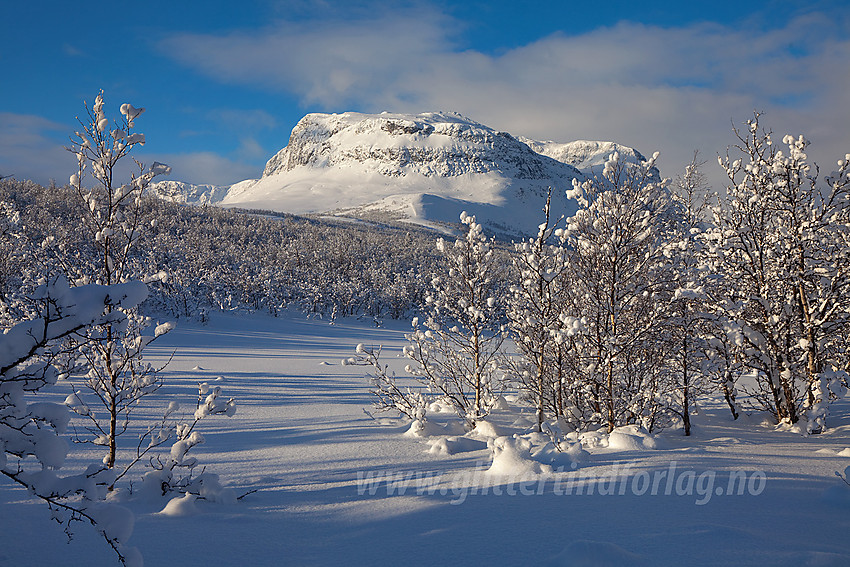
column 420, row 168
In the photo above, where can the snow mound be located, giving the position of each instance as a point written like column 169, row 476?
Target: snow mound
column 439, row 406
column 486, row 430
column 593, row 439
column 213, row 491
column 512, row 457
column 631, row 438
column 424, row 429
column 446, row 446
column 570, row 455
column 798, row 428
column 181, row 506
column 576, row 452
column 844, row 452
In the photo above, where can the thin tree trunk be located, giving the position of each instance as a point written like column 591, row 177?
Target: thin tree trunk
column 540, row 392
column 610, row 400
column 812, row 368
column 686, row 394
column 728, row 395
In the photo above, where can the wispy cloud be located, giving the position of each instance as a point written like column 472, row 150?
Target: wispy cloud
column 205, row 167
column 31, row 148
column 326, row 62
column 672, row 89
column 243, row 120
column 71, row 51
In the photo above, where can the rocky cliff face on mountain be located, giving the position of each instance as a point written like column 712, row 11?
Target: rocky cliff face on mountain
column 421, row 168
column 430, row 144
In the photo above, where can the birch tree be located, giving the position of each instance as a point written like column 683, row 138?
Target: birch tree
column 781, row 242
column 117, row 378
column 457, row 349
column 535, row 312
column 33, row 354
column 618, row 279
column 688, row 318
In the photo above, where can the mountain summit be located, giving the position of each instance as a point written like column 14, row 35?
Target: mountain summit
column 421, row 168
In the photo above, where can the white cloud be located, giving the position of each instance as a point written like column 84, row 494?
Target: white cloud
column 325, row 61
column 250, row 149
column 31, row 148
column 671, row 89
column 204, row 168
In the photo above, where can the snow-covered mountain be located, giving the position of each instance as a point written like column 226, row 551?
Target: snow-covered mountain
column 420, row 168
column 584, row 155
column 180, row 192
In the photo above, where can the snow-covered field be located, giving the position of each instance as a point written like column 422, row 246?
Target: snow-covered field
column 327, row 484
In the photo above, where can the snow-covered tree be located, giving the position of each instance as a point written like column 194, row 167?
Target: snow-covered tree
column 32, row 354
column 12, row 246
column 619, row 279
column 536, row 317
column 389, row 395
column 116, row 377
column 457, row 349
column 781, row 243
column 688, row 319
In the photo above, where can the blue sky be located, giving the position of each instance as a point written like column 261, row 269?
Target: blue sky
column 224, row 82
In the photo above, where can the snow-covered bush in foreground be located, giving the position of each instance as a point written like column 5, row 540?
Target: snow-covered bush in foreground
column 31, row 355
column 176, row 472
column 388, row 394
column 457, row 351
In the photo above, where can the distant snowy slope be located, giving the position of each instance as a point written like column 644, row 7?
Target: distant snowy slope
column 420, row 168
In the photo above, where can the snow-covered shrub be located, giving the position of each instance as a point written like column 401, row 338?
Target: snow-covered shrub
column 689, row 318
column 175, row 473
column 389, row 396
column 32, row 354
column 457, row 350
column 542, row 331
column 619, row 283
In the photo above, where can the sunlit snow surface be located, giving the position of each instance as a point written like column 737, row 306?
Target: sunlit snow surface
column 301, row 440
